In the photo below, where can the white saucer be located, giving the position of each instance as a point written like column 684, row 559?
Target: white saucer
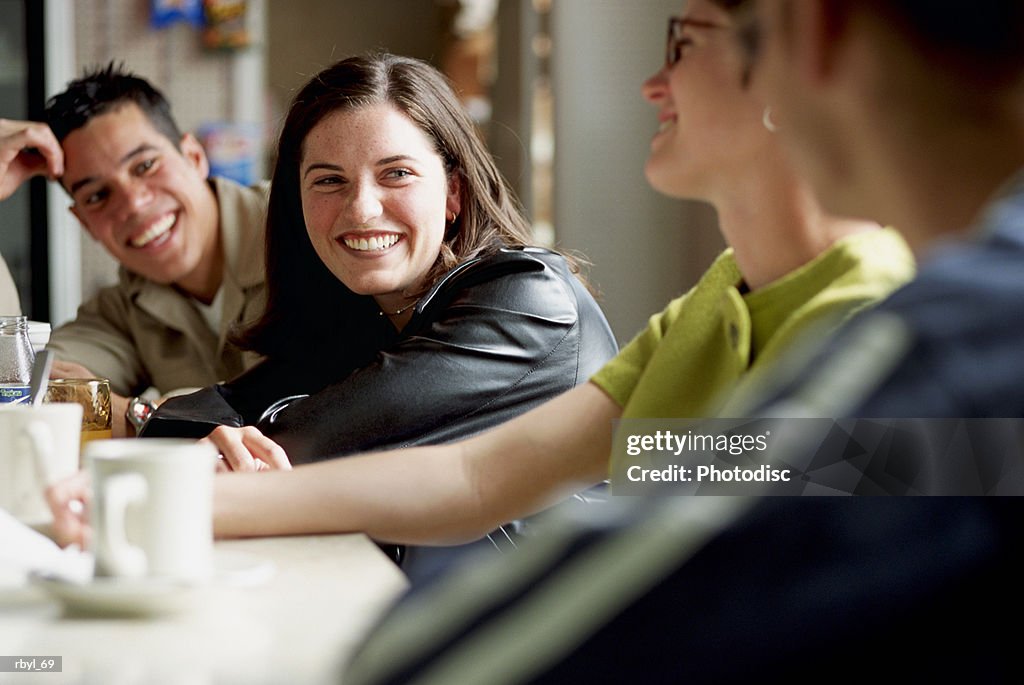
column 119, row 596
column 152, row 596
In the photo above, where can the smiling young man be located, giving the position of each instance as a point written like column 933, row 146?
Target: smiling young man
column 190, row 246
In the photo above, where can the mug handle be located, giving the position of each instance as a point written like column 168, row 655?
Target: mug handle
column 120, row 491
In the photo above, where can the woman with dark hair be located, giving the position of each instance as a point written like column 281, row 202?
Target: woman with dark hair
column 404, row 303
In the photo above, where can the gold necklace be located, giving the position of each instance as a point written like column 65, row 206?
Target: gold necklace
column 399, row 310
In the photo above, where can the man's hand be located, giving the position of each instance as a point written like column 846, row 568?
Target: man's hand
column 61, row 369
column 247, row 449
column 27, row 149
column 69, row 501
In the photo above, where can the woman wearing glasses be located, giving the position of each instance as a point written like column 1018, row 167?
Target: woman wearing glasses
column 789, row 268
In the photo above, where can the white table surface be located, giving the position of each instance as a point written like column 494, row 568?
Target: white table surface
column 299, row 625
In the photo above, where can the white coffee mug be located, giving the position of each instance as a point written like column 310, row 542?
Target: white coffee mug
column 152, row 508
column 39, row 446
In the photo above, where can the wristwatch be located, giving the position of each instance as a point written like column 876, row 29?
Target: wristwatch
column 138, row 412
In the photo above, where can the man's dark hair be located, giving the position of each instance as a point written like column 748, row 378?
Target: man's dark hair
column 102, row 90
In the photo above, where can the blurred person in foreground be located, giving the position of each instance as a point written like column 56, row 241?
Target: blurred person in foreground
column 911, row 112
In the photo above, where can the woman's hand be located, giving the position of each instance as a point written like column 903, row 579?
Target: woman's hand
column 247, row 449
column 69, row 501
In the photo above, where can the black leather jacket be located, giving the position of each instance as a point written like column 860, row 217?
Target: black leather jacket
column 496, row 337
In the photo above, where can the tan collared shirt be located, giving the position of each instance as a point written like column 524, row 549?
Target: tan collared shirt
column 140, row 334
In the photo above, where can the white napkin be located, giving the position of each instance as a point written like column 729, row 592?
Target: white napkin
column 24, row 550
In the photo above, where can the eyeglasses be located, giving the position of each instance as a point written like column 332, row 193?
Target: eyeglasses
column 674, row 43
column 676, row 39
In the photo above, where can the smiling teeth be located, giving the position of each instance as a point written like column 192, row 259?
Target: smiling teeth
column 666, row 125
column 155, row 231
column 375, row 243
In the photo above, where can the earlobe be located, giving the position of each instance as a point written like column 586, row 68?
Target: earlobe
column 454, row 204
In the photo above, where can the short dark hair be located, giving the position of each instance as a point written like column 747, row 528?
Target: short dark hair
column 298, row 283
column 982, row 40
column 103, row 89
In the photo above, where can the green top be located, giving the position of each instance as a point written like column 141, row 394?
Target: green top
column 692, row 355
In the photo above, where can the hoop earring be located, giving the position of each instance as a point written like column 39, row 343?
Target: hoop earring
column 454, row 217
column 766, row 119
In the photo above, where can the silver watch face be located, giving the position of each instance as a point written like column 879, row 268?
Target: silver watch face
column 139, row 411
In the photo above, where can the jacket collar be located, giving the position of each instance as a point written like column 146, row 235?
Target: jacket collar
column 504, row 260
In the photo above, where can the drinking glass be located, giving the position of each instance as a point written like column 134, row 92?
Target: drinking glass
column 94, row 396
